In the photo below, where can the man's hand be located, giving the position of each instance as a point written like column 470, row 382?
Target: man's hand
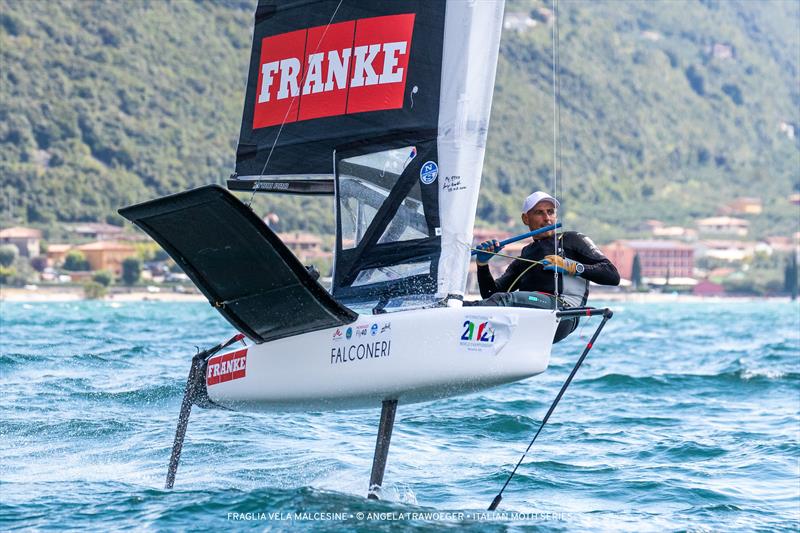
column 483, row 258
column 562, row 265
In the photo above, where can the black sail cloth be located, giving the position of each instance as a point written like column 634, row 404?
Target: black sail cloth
column 296, row 135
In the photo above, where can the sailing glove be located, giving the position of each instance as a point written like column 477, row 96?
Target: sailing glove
column 562, row 265
column 492, row 246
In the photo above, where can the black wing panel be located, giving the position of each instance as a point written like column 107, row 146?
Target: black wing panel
column 239, row 264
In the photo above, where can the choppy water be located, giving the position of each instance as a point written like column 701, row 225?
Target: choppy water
column 685, row 416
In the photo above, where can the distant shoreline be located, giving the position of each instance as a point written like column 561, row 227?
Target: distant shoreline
column 658, row 297
column 74, row 294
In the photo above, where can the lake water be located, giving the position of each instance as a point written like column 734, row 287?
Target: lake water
column 684, row 416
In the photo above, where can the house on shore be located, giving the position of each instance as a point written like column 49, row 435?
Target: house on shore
column 723, row 227
column 27, row 240
column 97, row 231
column 306, row 246
column 56, row 253
column 658, row 259
column 107, row 255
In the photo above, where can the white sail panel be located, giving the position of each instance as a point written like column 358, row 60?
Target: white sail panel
column 472, row 41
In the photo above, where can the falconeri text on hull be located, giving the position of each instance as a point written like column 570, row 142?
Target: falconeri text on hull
column 385, row 106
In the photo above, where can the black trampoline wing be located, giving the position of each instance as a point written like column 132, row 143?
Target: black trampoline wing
column 239, row 264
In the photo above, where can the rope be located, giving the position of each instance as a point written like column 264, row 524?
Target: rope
column 523, row 259
column 583, row 326
column 556, row 129
column 506, row 256
column 511, row 287
column 288, row 109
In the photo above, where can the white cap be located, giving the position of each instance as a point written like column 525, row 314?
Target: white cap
column 531, row 201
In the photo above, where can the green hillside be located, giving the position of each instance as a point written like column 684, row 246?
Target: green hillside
column 109, row 103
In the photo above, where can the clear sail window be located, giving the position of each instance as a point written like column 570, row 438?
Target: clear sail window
column 409, row 221
column 364, row 184
column 356, row 213
column 391, row 273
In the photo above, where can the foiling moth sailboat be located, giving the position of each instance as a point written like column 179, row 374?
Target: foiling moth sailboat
column 385, row 106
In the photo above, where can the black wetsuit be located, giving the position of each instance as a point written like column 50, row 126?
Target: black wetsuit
column 528, row 278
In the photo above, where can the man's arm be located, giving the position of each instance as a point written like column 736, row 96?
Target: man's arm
column 597, row 267
column 489, row 285
column 486, row 282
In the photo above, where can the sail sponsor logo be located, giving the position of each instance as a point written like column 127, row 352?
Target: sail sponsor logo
column 349, row 67
column 227, row 367
column 428, row 172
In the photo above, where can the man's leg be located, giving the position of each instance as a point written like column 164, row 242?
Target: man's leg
column 535, row 300
column 565, row 327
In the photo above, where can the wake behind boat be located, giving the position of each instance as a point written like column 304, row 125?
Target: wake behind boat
column 385, row 106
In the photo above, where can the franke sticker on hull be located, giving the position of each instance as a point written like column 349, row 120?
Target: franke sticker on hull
column 369, row 341
column 349, row 67
column 222, row 368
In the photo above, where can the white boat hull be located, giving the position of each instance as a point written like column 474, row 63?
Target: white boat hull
column 409, row 356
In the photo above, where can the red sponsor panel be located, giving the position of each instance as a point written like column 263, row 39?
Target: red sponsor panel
column 227, row 367
column 381, row 50
column 327, row 70
column 349, row 67
column 280, row 78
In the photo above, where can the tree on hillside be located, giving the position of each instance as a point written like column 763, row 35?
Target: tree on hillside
column 39, row 263
column 131, row 270
column 790, row 281
column 94, row 290
column 103, row 277
column 636, row 272
column 8, row 254
column 76, row 261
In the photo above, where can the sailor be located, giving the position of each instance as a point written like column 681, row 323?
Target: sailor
column 576, row 259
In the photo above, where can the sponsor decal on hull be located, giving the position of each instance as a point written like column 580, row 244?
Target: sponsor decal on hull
column 369, row 341
column 227, row 367
column 480, row 332
column 361, row 330
column 486, row 334
column 344, row 68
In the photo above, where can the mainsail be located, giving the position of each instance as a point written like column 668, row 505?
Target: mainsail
column 388, row 101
